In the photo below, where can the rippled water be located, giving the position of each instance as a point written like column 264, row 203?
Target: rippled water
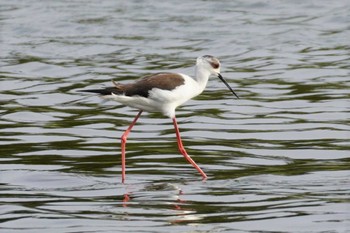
column 277, row 159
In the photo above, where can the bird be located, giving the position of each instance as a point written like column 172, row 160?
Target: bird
column 163, row 92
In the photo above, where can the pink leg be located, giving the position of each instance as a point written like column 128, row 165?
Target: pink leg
column 183, row 151
column 123, row 140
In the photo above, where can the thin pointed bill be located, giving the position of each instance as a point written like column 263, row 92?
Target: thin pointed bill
column 224, row 81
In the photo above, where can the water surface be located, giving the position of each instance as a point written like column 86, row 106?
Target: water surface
column 277, row 159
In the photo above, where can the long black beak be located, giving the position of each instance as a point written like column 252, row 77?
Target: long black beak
column 224, row 81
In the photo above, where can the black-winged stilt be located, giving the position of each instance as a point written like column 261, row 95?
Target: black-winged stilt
column 163, row 92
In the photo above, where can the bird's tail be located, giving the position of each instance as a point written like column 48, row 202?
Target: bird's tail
column 117, row 90
column 104, row 91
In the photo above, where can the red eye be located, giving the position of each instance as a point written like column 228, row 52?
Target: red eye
column 215, row 64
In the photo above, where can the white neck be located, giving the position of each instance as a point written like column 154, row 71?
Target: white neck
column 202, row 77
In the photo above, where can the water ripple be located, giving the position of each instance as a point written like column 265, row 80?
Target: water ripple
column 277, row 158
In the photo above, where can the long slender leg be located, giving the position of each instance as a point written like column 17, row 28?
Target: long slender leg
column 183, row 151
column 123, row 140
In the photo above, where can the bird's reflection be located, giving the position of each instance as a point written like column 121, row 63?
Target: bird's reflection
column 182, row 211
column 126, row 199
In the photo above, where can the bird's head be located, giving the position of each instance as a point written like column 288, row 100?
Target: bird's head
column 212, row 64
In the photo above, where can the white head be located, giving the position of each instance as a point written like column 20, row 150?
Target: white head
column 212, row 64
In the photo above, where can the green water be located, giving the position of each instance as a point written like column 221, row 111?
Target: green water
column 277, row 159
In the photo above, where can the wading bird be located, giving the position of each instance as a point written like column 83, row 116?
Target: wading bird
column 163, row 92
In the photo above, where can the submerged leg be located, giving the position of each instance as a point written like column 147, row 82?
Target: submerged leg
column 123, row 140
column 183, row 151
